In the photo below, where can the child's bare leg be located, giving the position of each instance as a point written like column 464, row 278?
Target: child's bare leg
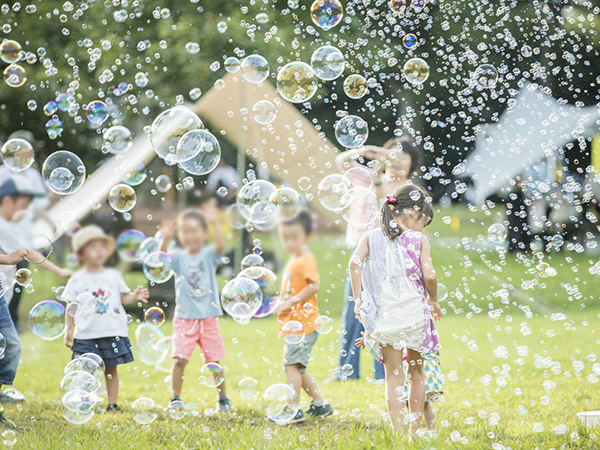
column 177, row 375
column 310, row 386
column 294, row 379
column 416, row 389
column 112, row 384
column 394, row 383
column 221, row 387
column 429, row 414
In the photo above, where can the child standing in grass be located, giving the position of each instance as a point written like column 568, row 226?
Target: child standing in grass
column 299, row 303
column 196, row 294
column 392, row 269
column 103, row 331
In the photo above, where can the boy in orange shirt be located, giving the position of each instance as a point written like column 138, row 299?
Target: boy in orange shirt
column 298, row 312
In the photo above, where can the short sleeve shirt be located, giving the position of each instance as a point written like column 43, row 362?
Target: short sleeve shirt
column 298, row 274
column 196, row 289
column 108, row 318
column 9, row 242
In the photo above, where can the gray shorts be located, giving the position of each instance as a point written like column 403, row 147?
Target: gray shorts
column 300, row 353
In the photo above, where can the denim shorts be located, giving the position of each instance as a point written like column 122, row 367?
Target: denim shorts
column 9, row 359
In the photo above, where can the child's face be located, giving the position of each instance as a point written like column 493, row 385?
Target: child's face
column 12, row 207
column 400, row 167
column 95, row 253
column 293, row 237
column 191, row 234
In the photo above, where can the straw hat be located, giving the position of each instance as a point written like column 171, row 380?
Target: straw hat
column 90, row 233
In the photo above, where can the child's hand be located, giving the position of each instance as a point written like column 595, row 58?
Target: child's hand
column 357, row 305
column 360, row 342
column 15, row 257
column 66, row 273
column 141, row 294
column 69, row 338
column 168, row 229
column 211, row 212
column 436, row 311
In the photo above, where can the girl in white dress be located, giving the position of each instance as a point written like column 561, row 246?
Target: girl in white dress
column 392, row 269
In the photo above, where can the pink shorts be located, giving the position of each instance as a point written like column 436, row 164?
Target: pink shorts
column 204, row 332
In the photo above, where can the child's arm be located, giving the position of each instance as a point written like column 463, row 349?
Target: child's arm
column 211, row 214
column 33, row 255
column 139, row 295
column 167, row 229
column 303, row 295
column 355, row 269
column 70, row 324
column 430, row 278
column 13, row 258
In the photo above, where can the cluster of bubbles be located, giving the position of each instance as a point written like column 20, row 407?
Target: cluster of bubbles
column 79, row 388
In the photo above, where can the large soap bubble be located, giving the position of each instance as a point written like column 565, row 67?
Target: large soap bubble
column 328, row 62
column 248, row 387
column 416, row 71
column 264, row 112
column 355, row 86
column 267, row 281
column 168, row 129
column 206, row 150
column 280, row 403
column 241, row 298
column 293, row 331
column 497, row 233
column 332, row 192
column 148, row 348
column 47, row 320
column 88, row 362
column 369, row 207
column 326, row 14
column 122, row 198
column 485, row 76
column 158, row 267
column 77, row 418
column 351, row 131
column 17, row 154
column 15, row 75
column 132, row 172
column 96, row 112
column 211, row 375
column 289, row 202
column 10, row 51
column 117, row 140
column 144, row 410
column 255, row 69
column 297, row 82
column 253, row 201
column 129, row 245
column 63, row 172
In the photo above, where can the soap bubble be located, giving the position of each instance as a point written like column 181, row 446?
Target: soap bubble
column 63, row 172
column 9, row 51
column 328, row 62
column 77, row 418
column 132, row 172
column 293, row 332
column 155, row 316
column 280, row 403
column 323, row 324
column 267, row 281
column 360, row 176
column 264, row 112
column 150, row 245
column 442, row 292
column 128, row 245
column 86, row 303
column 211, row 375
column 41, row 244
column 255, row 69
column 232, row 64
column 17, row 154
column 164, row 346
column 297, row 82
column 558, row 240
column 2, row 345
column 397, row 6
column 252, row 260
column 88, row 362
column 78, row 400
column 96, row 112
column 241, row 298
column 54, row 128
column 163, row 183
column 410, row 41
column 158, row 267
column 50, row 108
column 206, row 149
column 122, row 198
column 148, row 350
column 23, row 276
column 351, row 131
column 15, row 76
column 304, row 183
column 416, row 71
column 235, row 217
column 248, row 387
column 346, row 370
column 144, row 410
column 497, row 233
column 332, row 192
column 176, row 409
column 167, row 131
column 64, row 100
column 9, row 438
column 47, row 320
column 326, row 14
column 253, row 201
column 288, row 201
column 79, row 380
column 485, row 76
column 355, row 86
column 117, row 140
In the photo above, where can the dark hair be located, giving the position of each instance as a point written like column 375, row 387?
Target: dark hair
column 409, row 146
column 16, row 196
column 194, row 214
column 304, row 219
column 409, row 197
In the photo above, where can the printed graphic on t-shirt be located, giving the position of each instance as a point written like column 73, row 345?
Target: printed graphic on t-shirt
column 102, row 297
column 196, row 271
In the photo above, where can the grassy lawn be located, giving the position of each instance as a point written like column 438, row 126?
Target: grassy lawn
column 514, row 381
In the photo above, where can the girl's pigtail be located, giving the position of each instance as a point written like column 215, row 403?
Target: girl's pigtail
column 388, row 224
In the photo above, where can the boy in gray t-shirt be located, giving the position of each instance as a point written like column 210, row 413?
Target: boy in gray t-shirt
column 196, row 295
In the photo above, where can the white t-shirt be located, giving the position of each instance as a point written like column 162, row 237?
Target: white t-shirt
column 108, row 318
column 8, row 244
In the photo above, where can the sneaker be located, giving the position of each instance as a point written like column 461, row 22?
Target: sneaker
column 319, row 411
column 113, row 407
column 299, row 417
column 224, row 404
column 11, row 395
column 175, row 398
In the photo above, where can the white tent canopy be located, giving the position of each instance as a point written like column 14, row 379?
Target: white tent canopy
column 533, row 126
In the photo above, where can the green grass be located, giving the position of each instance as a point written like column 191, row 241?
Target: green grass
column 254, row 350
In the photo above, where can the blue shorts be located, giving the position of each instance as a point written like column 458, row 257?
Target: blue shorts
column 9, row 360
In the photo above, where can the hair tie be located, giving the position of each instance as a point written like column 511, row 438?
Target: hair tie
column 392, row 199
